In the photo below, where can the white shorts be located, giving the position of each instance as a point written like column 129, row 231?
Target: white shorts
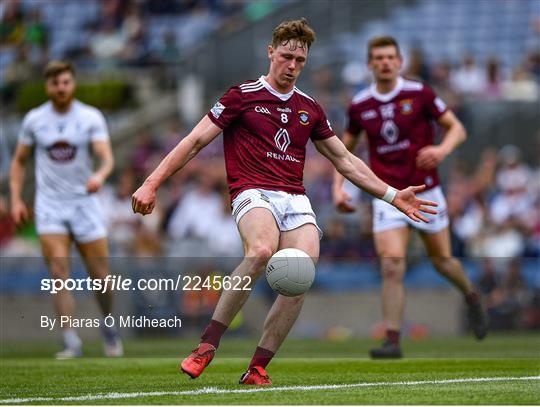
column 290, row 211
column 81, row 218
column 387, row 217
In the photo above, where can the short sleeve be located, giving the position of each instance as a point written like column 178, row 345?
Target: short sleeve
column 322, row 129
column 98, row 128
column 26, row 134
column 434, row 105
column 354, row 127
column 227, row 108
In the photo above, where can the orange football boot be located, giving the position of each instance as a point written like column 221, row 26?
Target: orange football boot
column 201, row 357
column 257, row 376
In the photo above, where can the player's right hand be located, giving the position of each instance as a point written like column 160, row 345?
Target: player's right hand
column 19, row 213
column 144, row 199
column 342, row 201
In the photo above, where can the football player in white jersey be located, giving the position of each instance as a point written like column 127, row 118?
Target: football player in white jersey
column 62, row 134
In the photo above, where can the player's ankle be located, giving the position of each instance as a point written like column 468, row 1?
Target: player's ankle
column 472, row 298
column 393, row 336
column 213, row 332
column 71, row 338
column 261, row 357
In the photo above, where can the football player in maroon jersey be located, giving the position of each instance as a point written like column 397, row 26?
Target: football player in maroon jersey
column 266, row 124
column 397, row 116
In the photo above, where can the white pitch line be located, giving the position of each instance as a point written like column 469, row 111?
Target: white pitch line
column 215, row 390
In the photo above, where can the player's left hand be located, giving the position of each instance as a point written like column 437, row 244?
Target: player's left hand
column 342, row 200
column 430, row 157
column 94, row 183
column 412, row 206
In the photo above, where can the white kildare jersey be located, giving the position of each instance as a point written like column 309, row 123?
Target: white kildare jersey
column 62, row 148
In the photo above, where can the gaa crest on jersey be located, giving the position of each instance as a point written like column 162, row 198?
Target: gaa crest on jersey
column 406, row 106
column 62, row 151
column 260, row 109
column 304, row 117
column 217, row 110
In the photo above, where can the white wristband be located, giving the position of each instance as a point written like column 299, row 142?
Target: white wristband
column 389, row 195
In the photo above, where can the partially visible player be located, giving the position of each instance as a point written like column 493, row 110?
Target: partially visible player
column 266, row 125
column 398, row 116
column 62, row 133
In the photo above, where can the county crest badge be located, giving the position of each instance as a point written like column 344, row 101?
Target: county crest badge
column 304, row 117
column 406, row 106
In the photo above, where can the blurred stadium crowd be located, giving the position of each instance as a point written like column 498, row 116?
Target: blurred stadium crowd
column 494, row 202
column 100, row 35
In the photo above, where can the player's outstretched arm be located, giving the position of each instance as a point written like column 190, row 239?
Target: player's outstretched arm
column 431, row 156
column 341, row 197
column 356, row 171
column 19, row 212
column 144, row 199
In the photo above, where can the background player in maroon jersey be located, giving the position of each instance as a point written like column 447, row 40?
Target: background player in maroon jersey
column 266, row 125
column 397, row 116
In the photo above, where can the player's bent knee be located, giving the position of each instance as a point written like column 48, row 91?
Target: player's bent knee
column 59, row 272
column 393, row 268
column 445, row 265
column 260, row 254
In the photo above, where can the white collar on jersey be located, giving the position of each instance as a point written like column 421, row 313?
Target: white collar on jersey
column 385, row 97
column 282, row 96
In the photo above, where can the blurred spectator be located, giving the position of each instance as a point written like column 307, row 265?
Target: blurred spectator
column 17, row 73
column 355, row 76
column 169, row 53
column 335, row 243
column 493, row 85
column 175, row 133
column 111, row 13
column 506, row 296
column 440, row 80
column 417, row 68
column 327, row 93
column 107, row 44
column 513, row 202
column 197, row 212
column 12, row 24
column 467, row 207
column 145, row 153
column 7, row 227
column 468, row 78
column 257, row 10
column 133, row 30
column 36, row 32
column 196, row 306
column 522, row 86
column 225, row 240
column 533, row 63
column 122, row 223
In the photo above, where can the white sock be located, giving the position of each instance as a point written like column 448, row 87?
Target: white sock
column 71, row 339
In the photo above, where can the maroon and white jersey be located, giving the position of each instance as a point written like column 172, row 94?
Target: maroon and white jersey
column 265, row 134
column 398, row 124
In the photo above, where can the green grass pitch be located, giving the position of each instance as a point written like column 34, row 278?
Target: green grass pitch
column 435, row 371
